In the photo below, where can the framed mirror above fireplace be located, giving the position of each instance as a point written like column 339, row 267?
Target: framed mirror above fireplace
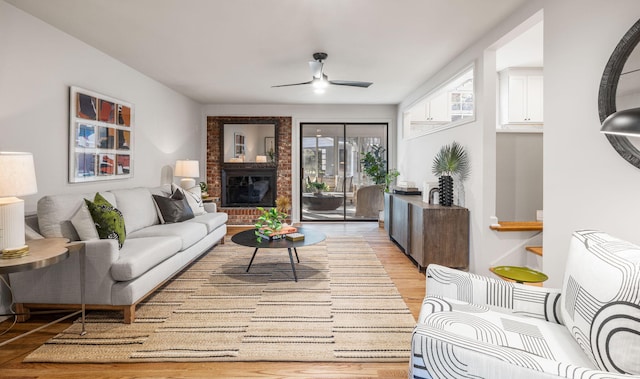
column 249, row 143
column 249, row 156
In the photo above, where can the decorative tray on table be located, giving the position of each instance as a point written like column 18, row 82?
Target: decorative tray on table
column 277, row 234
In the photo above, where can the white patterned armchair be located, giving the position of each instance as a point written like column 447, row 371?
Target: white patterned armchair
column 471, row 326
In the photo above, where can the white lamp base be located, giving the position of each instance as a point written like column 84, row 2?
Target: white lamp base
column 11, row 223
column 187, row 183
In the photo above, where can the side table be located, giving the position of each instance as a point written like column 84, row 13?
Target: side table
column 42, row 253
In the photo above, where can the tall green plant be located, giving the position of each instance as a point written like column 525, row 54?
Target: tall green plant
column 375, row 164
column 452, row 160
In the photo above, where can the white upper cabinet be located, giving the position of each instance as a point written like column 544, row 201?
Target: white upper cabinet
column 432, row 110
column 437, row 109
column 521, row 94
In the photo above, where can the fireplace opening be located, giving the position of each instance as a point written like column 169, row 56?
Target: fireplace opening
column 249, row 187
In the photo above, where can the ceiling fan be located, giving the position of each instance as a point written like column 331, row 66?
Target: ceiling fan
column 320, row 80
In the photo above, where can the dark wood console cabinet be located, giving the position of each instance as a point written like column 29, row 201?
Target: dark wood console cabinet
column 428, row 233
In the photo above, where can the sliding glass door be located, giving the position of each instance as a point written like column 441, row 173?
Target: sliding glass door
column 332, row 177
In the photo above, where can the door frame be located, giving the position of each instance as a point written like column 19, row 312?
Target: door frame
column 300, row 159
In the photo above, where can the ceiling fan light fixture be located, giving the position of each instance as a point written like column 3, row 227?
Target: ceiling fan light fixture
column 319, row 83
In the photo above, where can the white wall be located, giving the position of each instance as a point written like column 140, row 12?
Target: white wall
column 519, row 176
column 586, row 183
column 478, row 137
column 38, row 64
column 308, row 113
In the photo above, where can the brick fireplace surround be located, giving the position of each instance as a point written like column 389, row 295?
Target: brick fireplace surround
column 247, row 216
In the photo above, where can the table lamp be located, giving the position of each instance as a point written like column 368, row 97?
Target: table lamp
column 188, row 170
column 17, row 178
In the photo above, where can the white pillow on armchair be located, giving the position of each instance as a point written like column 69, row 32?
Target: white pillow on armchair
column 600, row 302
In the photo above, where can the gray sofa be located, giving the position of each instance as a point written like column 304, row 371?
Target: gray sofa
column 116, row 278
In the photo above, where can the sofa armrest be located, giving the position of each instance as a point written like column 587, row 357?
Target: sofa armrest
column 60, row 283
column 500, row 295
column 210, row 207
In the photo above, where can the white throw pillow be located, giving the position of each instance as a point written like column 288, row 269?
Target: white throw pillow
column 600, row 301
column 84, row 224
column 194, row 197
column 30, row 234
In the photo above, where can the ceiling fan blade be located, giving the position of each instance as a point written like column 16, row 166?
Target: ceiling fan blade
column 316, row 68
column 289, row 85
column 350, row 83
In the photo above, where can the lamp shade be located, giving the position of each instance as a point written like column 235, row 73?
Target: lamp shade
column 17, row 174
column 625, row 123
column 187, row 169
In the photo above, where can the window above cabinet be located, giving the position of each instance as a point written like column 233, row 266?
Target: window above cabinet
column 450, row 105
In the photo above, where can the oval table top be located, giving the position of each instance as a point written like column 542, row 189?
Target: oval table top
column 249, row 239
column 42, row 252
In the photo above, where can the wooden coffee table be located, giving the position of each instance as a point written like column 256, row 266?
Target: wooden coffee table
column 249, row 239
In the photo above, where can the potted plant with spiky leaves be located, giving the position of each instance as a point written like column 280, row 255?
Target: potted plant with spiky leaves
column 450, row 163
column 317, row 187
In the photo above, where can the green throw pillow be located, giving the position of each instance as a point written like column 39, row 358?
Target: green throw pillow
column 109, row 221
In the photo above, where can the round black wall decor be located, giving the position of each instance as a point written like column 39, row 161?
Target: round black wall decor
column 609, row 87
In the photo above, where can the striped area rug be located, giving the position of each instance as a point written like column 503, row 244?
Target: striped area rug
column 344, row 307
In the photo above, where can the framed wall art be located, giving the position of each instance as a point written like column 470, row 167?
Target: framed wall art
column 240, row 147
column 101, row 137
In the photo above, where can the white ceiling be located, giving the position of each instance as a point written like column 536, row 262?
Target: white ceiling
column 233, row 51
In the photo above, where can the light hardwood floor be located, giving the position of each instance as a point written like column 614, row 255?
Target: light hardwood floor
column 403, row 272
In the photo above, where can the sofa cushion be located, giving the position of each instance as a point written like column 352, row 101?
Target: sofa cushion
column 137, row 207
column 212, row 220
column 174, row 208
column 601, row 299
column 141, row 254
column 55, row 213
column 108, row 220
column 84, row 224
column 189, row 232
column 30, row 234
column 458, row 337
column 163, row 190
